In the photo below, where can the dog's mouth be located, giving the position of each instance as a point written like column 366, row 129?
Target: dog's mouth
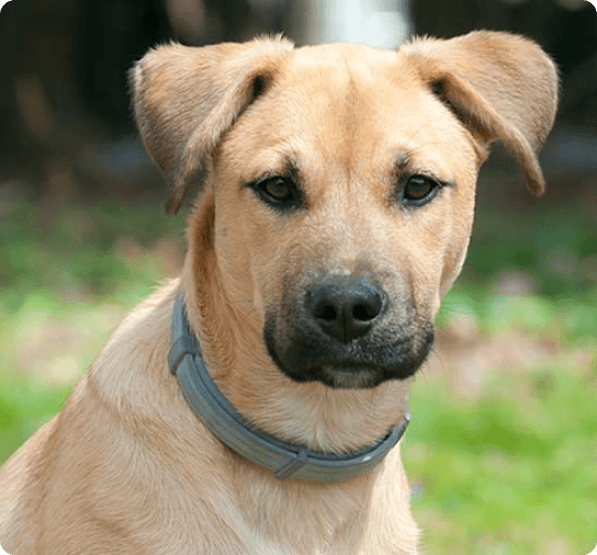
column 347, row 331
column 359, row 365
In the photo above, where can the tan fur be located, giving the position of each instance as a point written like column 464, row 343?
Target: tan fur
column 126, row 468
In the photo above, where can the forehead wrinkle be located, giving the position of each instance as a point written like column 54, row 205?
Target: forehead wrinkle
column 334, row 122
column 358, row 125
column 336, row 94
column 350, row 121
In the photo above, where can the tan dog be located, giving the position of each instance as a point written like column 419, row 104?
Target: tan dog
column 337, row 192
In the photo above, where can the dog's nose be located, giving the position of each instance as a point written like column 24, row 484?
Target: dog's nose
column 345, row 307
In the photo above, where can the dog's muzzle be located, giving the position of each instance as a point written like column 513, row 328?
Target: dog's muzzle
column 347, row 332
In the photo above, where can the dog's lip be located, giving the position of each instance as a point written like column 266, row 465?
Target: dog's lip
column 350, row 370
column 349, row 367
column 352, row 375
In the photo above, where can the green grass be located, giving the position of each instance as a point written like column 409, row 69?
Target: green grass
column 511, row 469
column 24, row 407
column 68, row 275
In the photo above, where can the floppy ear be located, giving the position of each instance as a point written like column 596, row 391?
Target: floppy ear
column 186, row 98
column 501, row 87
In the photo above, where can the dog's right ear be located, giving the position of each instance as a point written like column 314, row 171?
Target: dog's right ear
column 186, row 98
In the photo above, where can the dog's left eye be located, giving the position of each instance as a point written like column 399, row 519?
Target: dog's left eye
column 279, row 192
column 278, row 188
column 419, row 189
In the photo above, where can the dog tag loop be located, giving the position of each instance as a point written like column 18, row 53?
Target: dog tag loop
column 293, row 466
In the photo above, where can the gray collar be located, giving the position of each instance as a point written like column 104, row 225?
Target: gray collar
column 222, row 419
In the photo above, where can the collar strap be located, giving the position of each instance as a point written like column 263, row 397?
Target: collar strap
column 221, row 418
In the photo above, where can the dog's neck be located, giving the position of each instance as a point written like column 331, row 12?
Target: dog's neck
column 220, row 417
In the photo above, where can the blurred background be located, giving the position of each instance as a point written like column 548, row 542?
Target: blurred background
column 502, row 450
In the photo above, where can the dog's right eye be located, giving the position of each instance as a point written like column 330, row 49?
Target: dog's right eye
column 279, row 192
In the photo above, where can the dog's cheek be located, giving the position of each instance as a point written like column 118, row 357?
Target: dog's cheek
column 232, row 237
column 424, row 260
column 453, row 262
column 461, row 216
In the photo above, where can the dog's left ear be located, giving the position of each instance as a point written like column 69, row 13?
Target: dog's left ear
column 186, row 98
column 501, row 87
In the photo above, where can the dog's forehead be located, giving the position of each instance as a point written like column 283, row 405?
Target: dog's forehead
column 339, row 56
column 330, row 90
column 357, row 86
column 344, row 109
column 339, row 68
column 347, row 100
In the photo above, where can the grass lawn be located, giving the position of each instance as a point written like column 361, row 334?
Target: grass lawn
column 502, row 450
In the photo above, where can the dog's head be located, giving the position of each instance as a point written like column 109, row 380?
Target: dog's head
column 339, row 182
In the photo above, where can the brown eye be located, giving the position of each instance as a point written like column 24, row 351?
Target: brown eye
column 278, row 188
column 279, row 192
column 419, row 189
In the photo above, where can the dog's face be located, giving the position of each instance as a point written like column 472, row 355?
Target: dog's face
column 344, row 200
column 342, row 179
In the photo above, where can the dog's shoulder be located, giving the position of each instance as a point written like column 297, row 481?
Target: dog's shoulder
column 68, row 450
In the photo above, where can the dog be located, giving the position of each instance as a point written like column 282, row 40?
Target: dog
column 255, row 404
